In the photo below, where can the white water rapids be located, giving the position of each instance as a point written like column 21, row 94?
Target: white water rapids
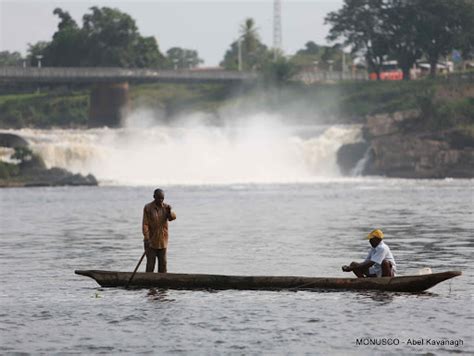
column 254, row 149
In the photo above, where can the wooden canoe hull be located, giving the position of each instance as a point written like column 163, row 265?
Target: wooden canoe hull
column 415, row 283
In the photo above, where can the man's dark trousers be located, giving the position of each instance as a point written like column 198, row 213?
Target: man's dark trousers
column 151, row 255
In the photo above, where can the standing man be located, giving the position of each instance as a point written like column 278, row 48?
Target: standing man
column 155, row 231
column 378, row 263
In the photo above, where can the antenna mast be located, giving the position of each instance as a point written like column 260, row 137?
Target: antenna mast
column 276, row 27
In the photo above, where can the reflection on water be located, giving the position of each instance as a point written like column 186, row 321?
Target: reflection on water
column 159, row 295
column 300, row 230
column 380, row 297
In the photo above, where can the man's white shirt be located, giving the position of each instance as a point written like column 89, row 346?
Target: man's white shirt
column 377, row 255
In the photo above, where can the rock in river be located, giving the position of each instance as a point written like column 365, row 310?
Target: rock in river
column 30, row 170
column 399, row 149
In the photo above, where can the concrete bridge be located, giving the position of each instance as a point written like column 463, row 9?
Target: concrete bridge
column 109, row 98
column 118, row 75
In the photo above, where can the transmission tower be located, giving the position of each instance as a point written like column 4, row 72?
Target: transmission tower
column 277, row 26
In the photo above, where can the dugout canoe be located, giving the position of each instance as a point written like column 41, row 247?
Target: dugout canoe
column 415, row 283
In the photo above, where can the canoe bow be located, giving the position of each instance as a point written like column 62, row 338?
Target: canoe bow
column 415, row 283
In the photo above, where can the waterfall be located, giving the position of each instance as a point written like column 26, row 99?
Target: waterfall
column 361, row 164
column 256, row 149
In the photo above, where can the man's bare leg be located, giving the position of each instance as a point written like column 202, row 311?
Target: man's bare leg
column 387, row 270
column 360, row 273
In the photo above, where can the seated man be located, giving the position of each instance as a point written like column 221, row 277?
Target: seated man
column 379, row 261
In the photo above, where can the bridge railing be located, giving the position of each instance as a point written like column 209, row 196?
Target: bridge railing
column 97, row 74
column 310, row 77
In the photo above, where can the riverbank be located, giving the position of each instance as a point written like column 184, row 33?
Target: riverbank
column 434, row 141
column 343, row 102
column 434, row 138
column 396, row 146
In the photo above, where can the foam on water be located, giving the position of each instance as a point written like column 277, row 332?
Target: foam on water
column 254, row 149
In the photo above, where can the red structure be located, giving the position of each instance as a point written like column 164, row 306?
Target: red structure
column 388, row 71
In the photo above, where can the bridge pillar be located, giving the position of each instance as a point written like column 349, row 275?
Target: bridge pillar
column 109, row 103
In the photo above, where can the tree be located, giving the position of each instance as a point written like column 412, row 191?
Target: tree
column 231, row 57
column 314, row 55
column 402, row 33
column 465, row 38
column 108, row 37
column 37, row 49
column 111, row 37
column 147, row 53
column 279, row 71
column 307, row 56
column 67, row 22
column 331, row 57
column 404, row 30
column 444, row 26
column 68, row 44
column 8, row 59
column 253, row 52
column 361, row 23
column 249, row 35
column 436, row 38
column 430, row 28
column 311, row 48
column 181, row 58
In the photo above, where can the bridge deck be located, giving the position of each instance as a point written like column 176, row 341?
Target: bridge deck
column 87, row 75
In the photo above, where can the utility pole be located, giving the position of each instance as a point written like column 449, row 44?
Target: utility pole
column 239, row 53
column 39, row 57
column 277, row 42
column 343, row 71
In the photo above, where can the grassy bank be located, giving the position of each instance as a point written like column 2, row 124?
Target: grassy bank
column 174, row 99
column 44, row 110
column 444, row 103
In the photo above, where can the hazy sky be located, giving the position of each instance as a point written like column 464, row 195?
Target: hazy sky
column 206, row 26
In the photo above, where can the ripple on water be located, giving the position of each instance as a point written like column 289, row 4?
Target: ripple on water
column 47, row 309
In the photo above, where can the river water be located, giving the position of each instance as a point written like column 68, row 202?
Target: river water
column 308, row 229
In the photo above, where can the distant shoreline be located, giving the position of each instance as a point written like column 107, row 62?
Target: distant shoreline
column 344, row 102
column 435, row 141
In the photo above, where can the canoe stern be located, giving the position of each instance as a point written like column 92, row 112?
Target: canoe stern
column 414, row 284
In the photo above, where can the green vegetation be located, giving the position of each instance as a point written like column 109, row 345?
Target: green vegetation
column 27, row 161
column 108, row 37
column 442, row 113
column 8, row 170
column 253, row 53
column 175, row 98
column 322, row 57
column 404, row 30
column 279, row 71
column 10, row 97
column 443, row 103
column 10, row 58
column 346, row 101
column 44, row 110
column 376, row 30
column 30, row 170
column 249, row 53
column 182, row 58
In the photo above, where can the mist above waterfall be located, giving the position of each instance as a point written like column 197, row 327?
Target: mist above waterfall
column 255, row 148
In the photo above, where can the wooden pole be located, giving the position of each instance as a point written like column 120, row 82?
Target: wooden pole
column 135, row 271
